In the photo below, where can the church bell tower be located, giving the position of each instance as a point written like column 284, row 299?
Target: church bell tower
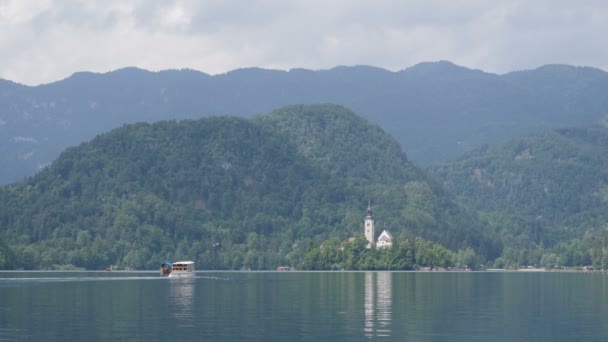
column 370, row 231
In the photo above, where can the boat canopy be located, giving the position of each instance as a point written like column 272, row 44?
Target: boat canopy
column 183, row 262
column 166, row 264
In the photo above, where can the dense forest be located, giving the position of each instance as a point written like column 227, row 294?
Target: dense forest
column 545, row 195
column 290, row 187
column 234, row 193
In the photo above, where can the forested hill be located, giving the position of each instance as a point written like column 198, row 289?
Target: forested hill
column 434, row 110
column 362, row 153
column 546, row 194
column 227, row 192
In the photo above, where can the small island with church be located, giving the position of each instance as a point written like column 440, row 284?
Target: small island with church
column 384, row 240
column 369, row 251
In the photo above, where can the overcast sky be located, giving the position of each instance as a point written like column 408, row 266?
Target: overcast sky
column 42, row 41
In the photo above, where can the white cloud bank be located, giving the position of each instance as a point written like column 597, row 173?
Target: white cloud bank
column 46, row 40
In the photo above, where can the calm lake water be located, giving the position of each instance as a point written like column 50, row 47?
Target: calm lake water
column 303, row 306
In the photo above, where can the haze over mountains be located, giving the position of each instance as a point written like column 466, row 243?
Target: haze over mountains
column 435, row 111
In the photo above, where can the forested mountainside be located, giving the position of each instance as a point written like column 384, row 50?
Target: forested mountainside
column 435, row 110
column 545, row 194
column 232, row 193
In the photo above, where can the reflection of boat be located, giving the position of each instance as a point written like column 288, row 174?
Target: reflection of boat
column 177, row 269
column 181, row 301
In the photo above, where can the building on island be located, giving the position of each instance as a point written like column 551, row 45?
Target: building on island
column 385, row 240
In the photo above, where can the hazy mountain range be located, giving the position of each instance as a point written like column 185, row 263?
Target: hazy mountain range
column 435, row 111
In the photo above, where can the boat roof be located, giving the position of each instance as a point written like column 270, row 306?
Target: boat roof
column 183, row 263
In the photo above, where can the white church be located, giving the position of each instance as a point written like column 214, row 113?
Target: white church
column 385, row 240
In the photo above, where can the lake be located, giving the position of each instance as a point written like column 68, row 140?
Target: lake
column 304, row 306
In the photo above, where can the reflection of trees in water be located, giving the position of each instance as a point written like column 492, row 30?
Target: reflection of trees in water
column 182, row 300
column 378, row 301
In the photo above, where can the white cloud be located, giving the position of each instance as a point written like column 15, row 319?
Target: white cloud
column 46, row 40
column 176, row 17
column 18, row 12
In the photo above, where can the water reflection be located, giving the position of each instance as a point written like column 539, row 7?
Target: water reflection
column 377, row 305
column 182, row 301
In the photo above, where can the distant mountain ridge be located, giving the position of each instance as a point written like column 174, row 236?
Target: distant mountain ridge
column 435, row 110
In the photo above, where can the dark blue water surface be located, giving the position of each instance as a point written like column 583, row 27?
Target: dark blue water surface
column 304, row 306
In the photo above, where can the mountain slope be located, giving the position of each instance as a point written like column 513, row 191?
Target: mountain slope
column 341, row 143
column 435, row 110
column 538, row 190
column 373, row 165
column 227, row 192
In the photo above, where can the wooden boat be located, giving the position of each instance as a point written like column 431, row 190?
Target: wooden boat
column 177, row 269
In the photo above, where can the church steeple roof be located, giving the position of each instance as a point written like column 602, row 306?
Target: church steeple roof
column 369, row 208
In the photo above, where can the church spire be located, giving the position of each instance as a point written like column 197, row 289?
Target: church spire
column 370, row 230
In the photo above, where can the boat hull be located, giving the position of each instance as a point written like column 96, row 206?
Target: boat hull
column 181, row 275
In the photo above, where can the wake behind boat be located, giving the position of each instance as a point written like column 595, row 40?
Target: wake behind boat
column 179, row 269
